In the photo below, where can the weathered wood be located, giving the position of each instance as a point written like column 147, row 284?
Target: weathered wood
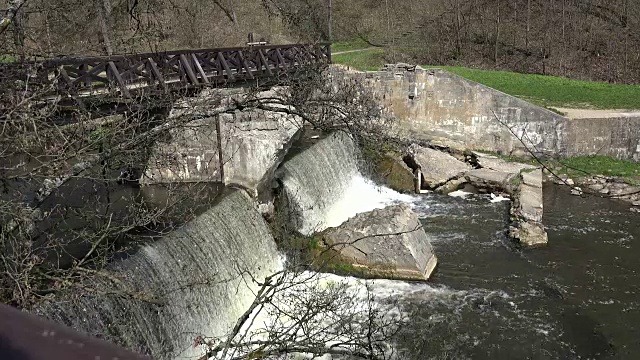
column 280, row 59
column 157, row 74
column 121, row 83
column 71, row 89
column 171, row 69
column 203, row 75
column 264, row 62
column 226, row 67
column 245, row 65
column 188, row 69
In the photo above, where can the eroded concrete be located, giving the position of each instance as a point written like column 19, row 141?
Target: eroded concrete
column 443, row 108
column 388, row 242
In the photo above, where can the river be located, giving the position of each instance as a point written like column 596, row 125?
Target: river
column 488, row 299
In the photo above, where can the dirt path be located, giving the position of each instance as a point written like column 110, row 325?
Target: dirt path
column 597, row 114
column 352, row 51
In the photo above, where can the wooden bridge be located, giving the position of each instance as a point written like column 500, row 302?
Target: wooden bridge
column 130, row 75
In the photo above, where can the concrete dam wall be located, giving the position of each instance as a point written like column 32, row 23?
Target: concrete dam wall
column 438, row 106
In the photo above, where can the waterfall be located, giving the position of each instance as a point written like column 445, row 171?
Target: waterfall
column 195, row 270
column 325, row 188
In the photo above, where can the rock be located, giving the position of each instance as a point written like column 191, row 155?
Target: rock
column 491, row 162
column 570, row 182
column 387, row 242
column 451, row 186
column 635, row 209
column 530, row 234
column 490, row 179
column 596, row 187
column 437, row 167
column 636, row 203
column 576, row 191
column 396, row 174
column 605, row 191
column 527, row 210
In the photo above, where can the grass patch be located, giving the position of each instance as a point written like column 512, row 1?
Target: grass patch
column 353, row 44
column 368, row 60
column 5, row 59
column 601, row 165
column 547, row 91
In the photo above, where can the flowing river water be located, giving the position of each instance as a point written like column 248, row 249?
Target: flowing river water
column 577, row 298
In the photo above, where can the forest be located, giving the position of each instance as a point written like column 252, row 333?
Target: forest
column 581, row 39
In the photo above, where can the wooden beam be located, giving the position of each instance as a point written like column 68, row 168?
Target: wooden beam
column 245, row 65
column 121, row 83
column 264, row 62
column 187, row 67
column 280, row 58
column 223, row 61
column 72, row 90
column 157, row 74
column 203, row 75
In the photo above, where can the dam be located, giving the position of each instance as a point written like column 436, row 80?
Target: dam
column 199, row 290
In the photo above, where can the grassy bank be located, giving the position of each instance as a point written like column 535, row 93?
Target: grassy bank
column 601, row 165
column 366, row 60
column 546, row 91
column 555, row 91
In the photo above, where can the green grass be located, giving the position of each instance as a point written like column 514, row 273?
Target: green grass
column 550, row 91
column 353, row 44
column 7, row 59
column 601, row 165
column 368, row 60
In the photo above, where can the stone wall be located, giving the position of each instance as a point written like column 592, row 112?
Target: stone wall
column 438, row 106
column 253, row 143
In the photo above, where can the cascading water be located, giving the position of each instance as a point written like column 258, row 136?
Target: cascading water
column 198, row 272
column 325, row 187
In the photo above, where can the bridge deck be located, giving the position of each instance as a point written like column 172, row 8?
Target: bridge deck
column 127, row 75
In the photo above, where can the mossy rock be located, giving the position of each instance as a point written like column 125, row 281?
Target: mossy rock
column 396, row 174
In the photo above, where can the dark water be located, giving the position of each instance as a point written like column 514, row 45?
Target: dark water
column 577, row 298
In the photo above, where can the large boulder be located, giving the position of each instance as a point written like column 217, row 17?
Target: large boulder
column 436, row 166
column 396, row 174
column 388, row 242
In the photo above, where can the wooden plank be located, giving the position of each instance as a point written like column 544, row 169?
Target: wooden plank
column 116, row 74
column 280, row 58
column 203, row 75
column 225, row 66
column 245, row 65
column 72, row 90
column 187, row 67
column 83, row 71
column 157, row 74
column 264, row 62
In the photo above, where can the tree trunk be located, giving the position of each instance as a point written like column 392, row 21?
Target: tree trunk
column 495, row 57
column 104, row 15
column 458, row 27
column 526, row 34
column 563, row 39
column 18, row 33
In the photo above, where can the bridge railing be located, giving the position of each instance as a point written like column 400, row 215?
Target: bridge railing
column 163, row 71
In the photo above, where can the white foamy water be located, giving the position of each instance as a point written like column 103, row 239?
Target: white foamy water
column 362, row 195
column 325, row 187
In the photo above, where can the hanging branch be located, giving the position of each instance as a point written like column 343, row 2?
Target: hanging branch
column 12, row 11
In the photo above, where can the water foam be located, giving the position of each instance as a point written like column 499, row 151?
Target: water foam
column 325, row 187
